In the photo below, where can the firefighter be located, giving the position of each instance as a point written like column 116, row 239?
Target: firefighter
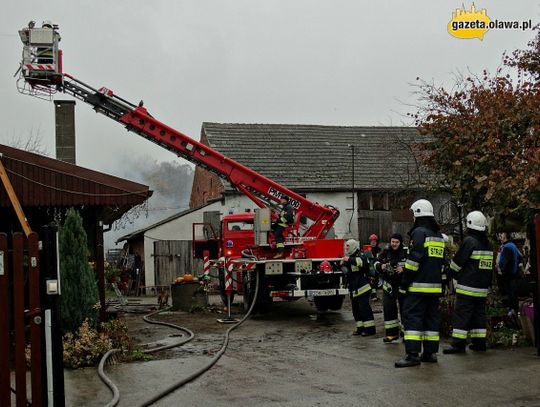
column 356, row 267
column 471, row 267
column 421, row 286
column 390, row 266
column 372, row 254
column 284, row 219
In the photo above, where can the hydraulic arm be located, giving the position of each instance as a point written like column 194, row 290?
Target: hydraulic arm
column 261, row 190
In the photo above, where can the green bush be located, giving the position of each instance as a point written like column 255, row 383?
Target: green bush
column 79, row 286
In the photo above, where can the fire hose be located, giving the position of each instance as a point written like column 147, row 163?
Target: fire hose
column 180, row 383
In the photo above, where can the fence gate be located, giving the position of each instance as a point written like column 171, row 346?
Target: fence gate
column 174, row 258
column 20, row 321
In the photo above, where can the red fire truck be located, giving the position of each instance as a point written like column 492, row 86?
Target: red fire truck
column 248, row 250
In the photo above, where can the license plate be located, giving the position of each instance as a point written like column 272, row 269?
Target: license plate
column 320, row 293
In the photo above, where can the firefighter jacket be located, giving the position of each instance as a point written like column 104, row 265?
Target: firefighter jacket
column 357, row 270
column 423, row 267
column 286, row 216
column 472, row 267
column 392, row 258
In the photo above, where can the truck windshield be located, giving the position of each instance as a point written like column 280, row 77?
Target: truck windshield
column 240, row 225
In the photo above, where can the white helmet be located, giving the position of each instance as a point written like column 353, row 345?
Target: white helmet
column 351, row 246
column 421, row 208
column 476, row 221
column 47, row 23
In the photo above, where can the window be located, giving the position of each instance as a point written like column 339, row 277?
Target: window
column 240, row 225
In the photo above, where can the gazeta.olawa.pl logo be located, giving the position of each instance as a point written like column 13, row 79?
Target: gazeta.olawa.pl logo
column 473, row 23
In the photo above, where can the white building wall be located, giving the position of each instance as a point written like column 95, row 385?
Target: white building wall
column 177, row 229
column 346, row 226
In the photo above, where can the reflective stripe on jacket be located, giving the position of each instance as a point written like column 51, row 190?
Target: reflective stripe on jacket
column 357, row 270
column 423, row 268
column 472, row 267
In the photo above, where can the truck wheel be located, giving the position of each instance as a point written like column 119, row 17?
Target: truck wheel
column 321, row 303
column 335, row 303
column 329, row 303
column 264, row 301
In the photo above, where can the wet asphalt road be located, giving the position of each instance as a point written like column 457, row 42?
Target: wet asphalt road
column 297, row 357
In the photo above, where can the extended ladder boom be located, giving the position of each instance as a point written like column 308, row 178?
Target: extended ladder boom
column 263, row 191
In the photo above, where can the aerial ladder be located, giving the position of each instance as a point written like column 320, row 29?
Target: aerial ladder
column 43, row 77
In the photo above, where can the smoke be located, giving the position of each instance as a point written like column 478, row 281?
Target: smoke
column 170, row 182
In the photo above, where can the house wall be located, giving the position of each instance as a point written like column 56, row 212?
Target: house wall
column 176, row 229
column 206, row 185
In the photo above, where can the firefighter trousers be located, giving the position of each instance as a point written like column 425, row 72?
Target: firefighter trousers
column 421, row 323
column 278, row 236
column 469, row 320
column 362, row 312
column 391, row 310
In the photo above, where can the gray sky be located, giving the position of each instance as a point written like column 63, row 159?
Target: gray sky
column 332, row 62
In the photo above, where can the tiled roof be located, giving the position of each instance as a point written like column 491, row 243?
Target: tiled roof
column 310, row 157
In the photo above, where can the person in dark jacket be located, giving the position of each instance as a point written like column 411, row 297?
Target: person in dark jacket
column 356, row 268
column 510, row 259
column 284, row 219
column 421, row 285
column 390, row 265
column 372, row 255
column 472, row 268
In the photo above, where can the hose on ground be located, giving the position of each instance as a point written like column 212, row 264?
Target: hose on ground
column 109, row 383
column 213, row 361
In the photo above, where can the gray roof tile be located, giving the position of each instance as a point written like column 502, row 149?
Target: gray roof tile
column 311, row 157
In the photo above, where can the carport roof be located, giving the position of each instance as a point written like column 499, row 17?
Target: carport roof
column 41, row 181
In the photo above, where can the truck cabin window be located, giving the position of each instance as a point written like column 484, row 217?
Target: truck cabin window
column 239, row 226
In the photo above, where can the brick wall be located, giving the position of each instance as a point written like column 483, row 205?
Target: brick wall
column 206, row 185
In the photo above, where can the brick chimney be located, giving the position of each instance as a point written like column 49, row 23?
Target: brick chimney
column 65, row 130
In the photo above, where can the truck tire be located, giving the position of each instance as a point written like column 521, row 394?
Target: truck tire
column 335, row 303
column 329, row 303
column 264, row 301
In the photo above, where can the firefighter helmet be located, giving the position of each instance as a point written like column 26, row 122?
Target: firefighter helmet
column 351, row 246
column 373, row 236
column 47, row 23
column 325, row 267
column 476, row 221
column 422, row 208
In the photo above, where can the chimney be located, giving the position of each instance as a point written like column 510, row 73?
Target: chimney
column 65, row 130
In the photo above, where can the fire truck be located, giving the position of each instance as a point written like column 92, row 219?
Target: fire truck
column 244, row 242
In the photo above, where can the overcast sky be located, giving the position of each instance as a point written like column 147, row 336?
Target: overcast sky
column 332, row 62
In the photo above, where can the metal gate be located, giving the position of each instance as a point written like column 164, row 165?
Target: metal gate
column 20, row 321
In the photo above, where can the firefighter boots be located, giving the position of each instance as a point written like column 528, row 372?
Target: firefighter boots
column 478, row 347
column 390, row 339
column 428, row 357
column 411, row 359
column 450, row 350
